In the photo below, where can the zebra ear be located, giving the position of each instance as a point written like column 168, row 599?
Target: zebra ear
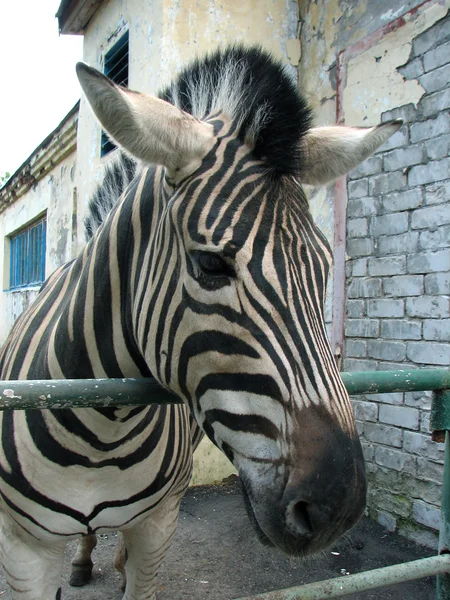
column 148, row 128
column 330, row 152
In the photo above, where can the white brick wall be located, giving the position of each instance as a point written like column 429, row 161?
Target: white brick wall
column 402, row 416
column 398, row 290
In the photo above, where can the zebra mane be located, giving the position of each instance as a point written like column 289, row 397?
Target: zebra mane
column 119, row 174
column 250, row 87
column 256, row 92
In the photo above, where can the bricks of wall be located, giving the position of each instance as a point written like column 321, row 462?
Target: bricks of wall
column 399, row 224
column 404, row 467
column 398, row 291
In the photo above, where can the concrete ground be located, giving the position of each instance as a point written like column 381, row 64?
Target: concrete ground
column 216, row 556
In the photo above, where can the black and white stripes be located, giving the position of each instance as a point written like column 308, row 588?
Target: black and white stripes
column 208, row 274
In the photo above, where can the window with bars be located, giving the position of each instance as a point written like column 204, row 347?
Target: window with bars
column 27, row 255
column 116, row 68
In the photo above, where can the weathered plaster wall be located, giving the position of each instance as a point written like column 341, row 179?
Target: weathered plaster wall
column 164, row 35
column 53, row 196
column 192, row 28
column 373, row 84
column 329, row 27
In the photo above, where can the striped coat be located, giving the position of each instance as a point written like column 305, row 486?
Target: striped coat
column 208, row 274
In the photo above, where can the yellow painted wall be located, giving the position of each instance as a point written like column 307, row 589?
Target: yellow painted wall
column 210, row 464
column 164, row 35
column 193, row 27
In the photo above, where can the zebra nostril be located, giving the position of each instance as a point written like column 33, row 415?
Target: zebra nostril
column 299, row 518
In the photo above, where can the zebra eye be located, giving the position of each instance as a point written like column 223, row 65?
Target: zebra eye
column 213, row 265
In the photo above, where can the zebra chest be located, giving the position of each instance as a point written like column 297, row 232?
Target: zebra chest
column 65, row 483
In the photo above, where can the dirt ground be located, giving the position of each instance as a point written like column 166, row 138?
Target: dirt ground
column 216, row 556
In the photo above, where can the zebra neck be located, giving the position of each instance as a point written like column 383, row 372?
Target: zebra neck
column 94, row 334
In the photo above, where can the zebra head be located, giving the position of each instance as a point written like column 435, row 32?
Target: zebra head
column 232, row 271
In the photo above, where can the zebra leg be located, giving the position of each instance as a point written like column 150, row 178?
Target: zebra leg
column 32, row 568
column 146, row 545
column 120, row 559
column 82, row 564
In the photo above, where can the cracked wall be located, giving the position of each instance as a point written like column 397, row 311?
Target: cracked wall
column 374, row 82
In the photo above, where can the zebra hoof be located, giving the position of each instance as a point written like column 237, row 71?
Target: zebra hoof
column 80, row 576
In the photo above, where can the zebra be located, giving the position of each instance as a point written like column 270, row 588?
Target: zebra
column 209, row 275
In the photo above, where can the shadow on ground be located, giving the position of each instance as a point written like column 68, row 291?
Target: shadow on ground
column 216, row 556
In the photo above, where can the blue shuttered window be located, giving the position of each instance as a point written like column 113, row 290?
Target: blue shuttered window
column 27, row 256
column 116, row 68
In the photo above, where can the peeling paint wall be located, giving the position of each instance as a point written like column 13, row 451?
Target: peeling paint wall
column 326, row 28
column 374, row 84
column 53, row 196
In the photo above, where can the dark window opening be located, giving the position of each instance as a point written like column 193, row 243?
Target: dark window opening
column 116, row 68
column 27, row 255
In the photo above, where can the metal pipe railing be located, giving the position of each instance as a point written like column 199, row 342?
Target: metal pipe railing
column 443, row 579
column 77, row 393
column 81, row 393
column 385, row 382
column 361, row 582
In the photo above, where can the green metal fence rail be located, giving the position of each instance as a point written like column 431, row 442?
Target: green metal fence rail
column 79, row 393
column 70, row 393
column 65, row 393
column 362, row 582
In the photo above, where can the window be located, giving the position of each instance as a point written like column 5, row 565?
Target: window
column 27, row 255
column 116, row 68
